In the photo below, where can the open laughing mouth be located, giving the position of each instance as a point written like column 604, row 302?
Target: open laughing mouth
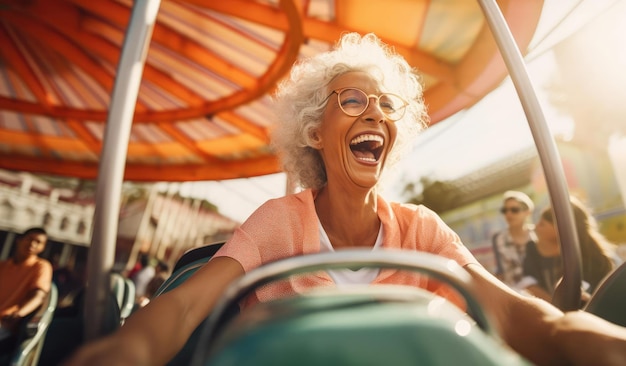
column 367, row 147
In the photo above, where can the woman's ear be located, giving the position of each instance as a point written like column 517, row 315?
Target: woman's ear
column 315, row 140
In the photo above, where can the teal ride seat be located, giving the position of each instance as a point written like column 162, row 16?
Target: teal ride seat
column 187, row 265
column 354, row 324
column 609, row 300
column 66, row 331
column 203, row 253
column 118, row 287
column 128, row 302
column 369, row 326
column 33, row 332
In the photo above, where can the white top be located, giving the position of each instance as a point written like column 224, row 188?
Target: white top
column 141, row 280
column 348, row 276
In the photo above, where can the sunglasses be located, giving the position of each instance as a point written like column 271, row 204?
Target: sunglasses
column 514, row 210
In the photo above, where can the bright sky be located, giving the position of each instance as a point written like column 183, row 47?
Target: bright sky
column 490, row 130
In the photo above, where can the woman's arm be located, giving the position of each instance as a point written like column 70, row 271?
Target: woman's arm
column 537, row 291
column 590, row 340
column 153, row 334
column 525, row 323
column 542, row 333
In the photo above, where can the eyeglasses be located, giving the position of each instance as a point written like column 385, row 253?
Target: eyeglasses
column 354, row 102
column 514, row 210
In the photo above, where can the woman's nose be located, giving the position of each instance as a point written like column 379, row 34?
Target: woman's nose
column 373, row 112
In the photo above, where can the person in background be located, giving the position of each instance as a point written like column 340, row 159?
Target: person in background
column 68, row 286
column 142, row 258
column 543, row 264
column 161, row 273
column 142, row 277
column 509, row 245
column 25, row 281
column 342, row 117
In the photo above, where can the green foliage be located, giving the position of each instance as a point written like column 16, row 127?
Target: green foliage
column 439, row 196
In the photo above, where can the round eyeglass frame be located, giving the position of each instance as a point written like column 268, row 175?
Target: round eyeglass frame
column 401, row 110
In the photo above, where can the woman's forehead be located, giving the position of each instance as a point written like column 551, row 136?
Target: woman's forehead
column 357, row 79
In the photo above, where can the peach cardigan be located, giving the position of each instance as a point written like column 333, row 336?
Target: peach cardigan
column 288, row 226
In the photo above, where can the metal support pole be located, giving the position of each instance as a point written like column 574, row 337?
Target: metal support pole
column 112, row 162
column 567, row 296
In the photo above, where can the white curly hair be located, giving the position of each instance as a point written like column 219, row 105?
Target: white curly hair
column 299, row 106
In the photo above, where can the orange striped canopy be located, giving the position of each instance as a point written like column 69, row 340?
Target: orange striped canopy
column 203, row 110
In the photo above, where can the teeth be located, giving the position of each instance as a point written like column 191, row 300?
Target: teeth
column 363, row 138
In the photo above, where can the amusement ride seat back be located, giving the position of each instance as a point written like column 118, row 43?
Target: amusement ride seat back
column 128, row 302
column 118, row 288
column 66, row 331
column 33, row 331
column 609, row 299
column 203, row 253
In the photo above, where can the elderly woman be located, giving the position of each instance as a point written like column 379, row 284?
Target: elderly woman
column 343, row 118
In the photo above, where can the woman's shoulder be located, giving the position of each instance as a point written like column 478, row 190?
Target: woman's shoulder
column 413, row 212
column 417, row 217
column 283, row 210
column 410, row 208
column 285, row 204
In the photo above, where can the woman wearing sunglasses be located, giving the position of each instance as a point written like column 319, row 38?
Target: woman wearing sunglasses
column 342, row 118
column 509, row 245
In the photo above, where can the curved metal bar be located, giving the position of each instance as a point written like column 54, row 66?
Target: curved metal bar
column 435, row 266
column 112, row 162
column 568, row 296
